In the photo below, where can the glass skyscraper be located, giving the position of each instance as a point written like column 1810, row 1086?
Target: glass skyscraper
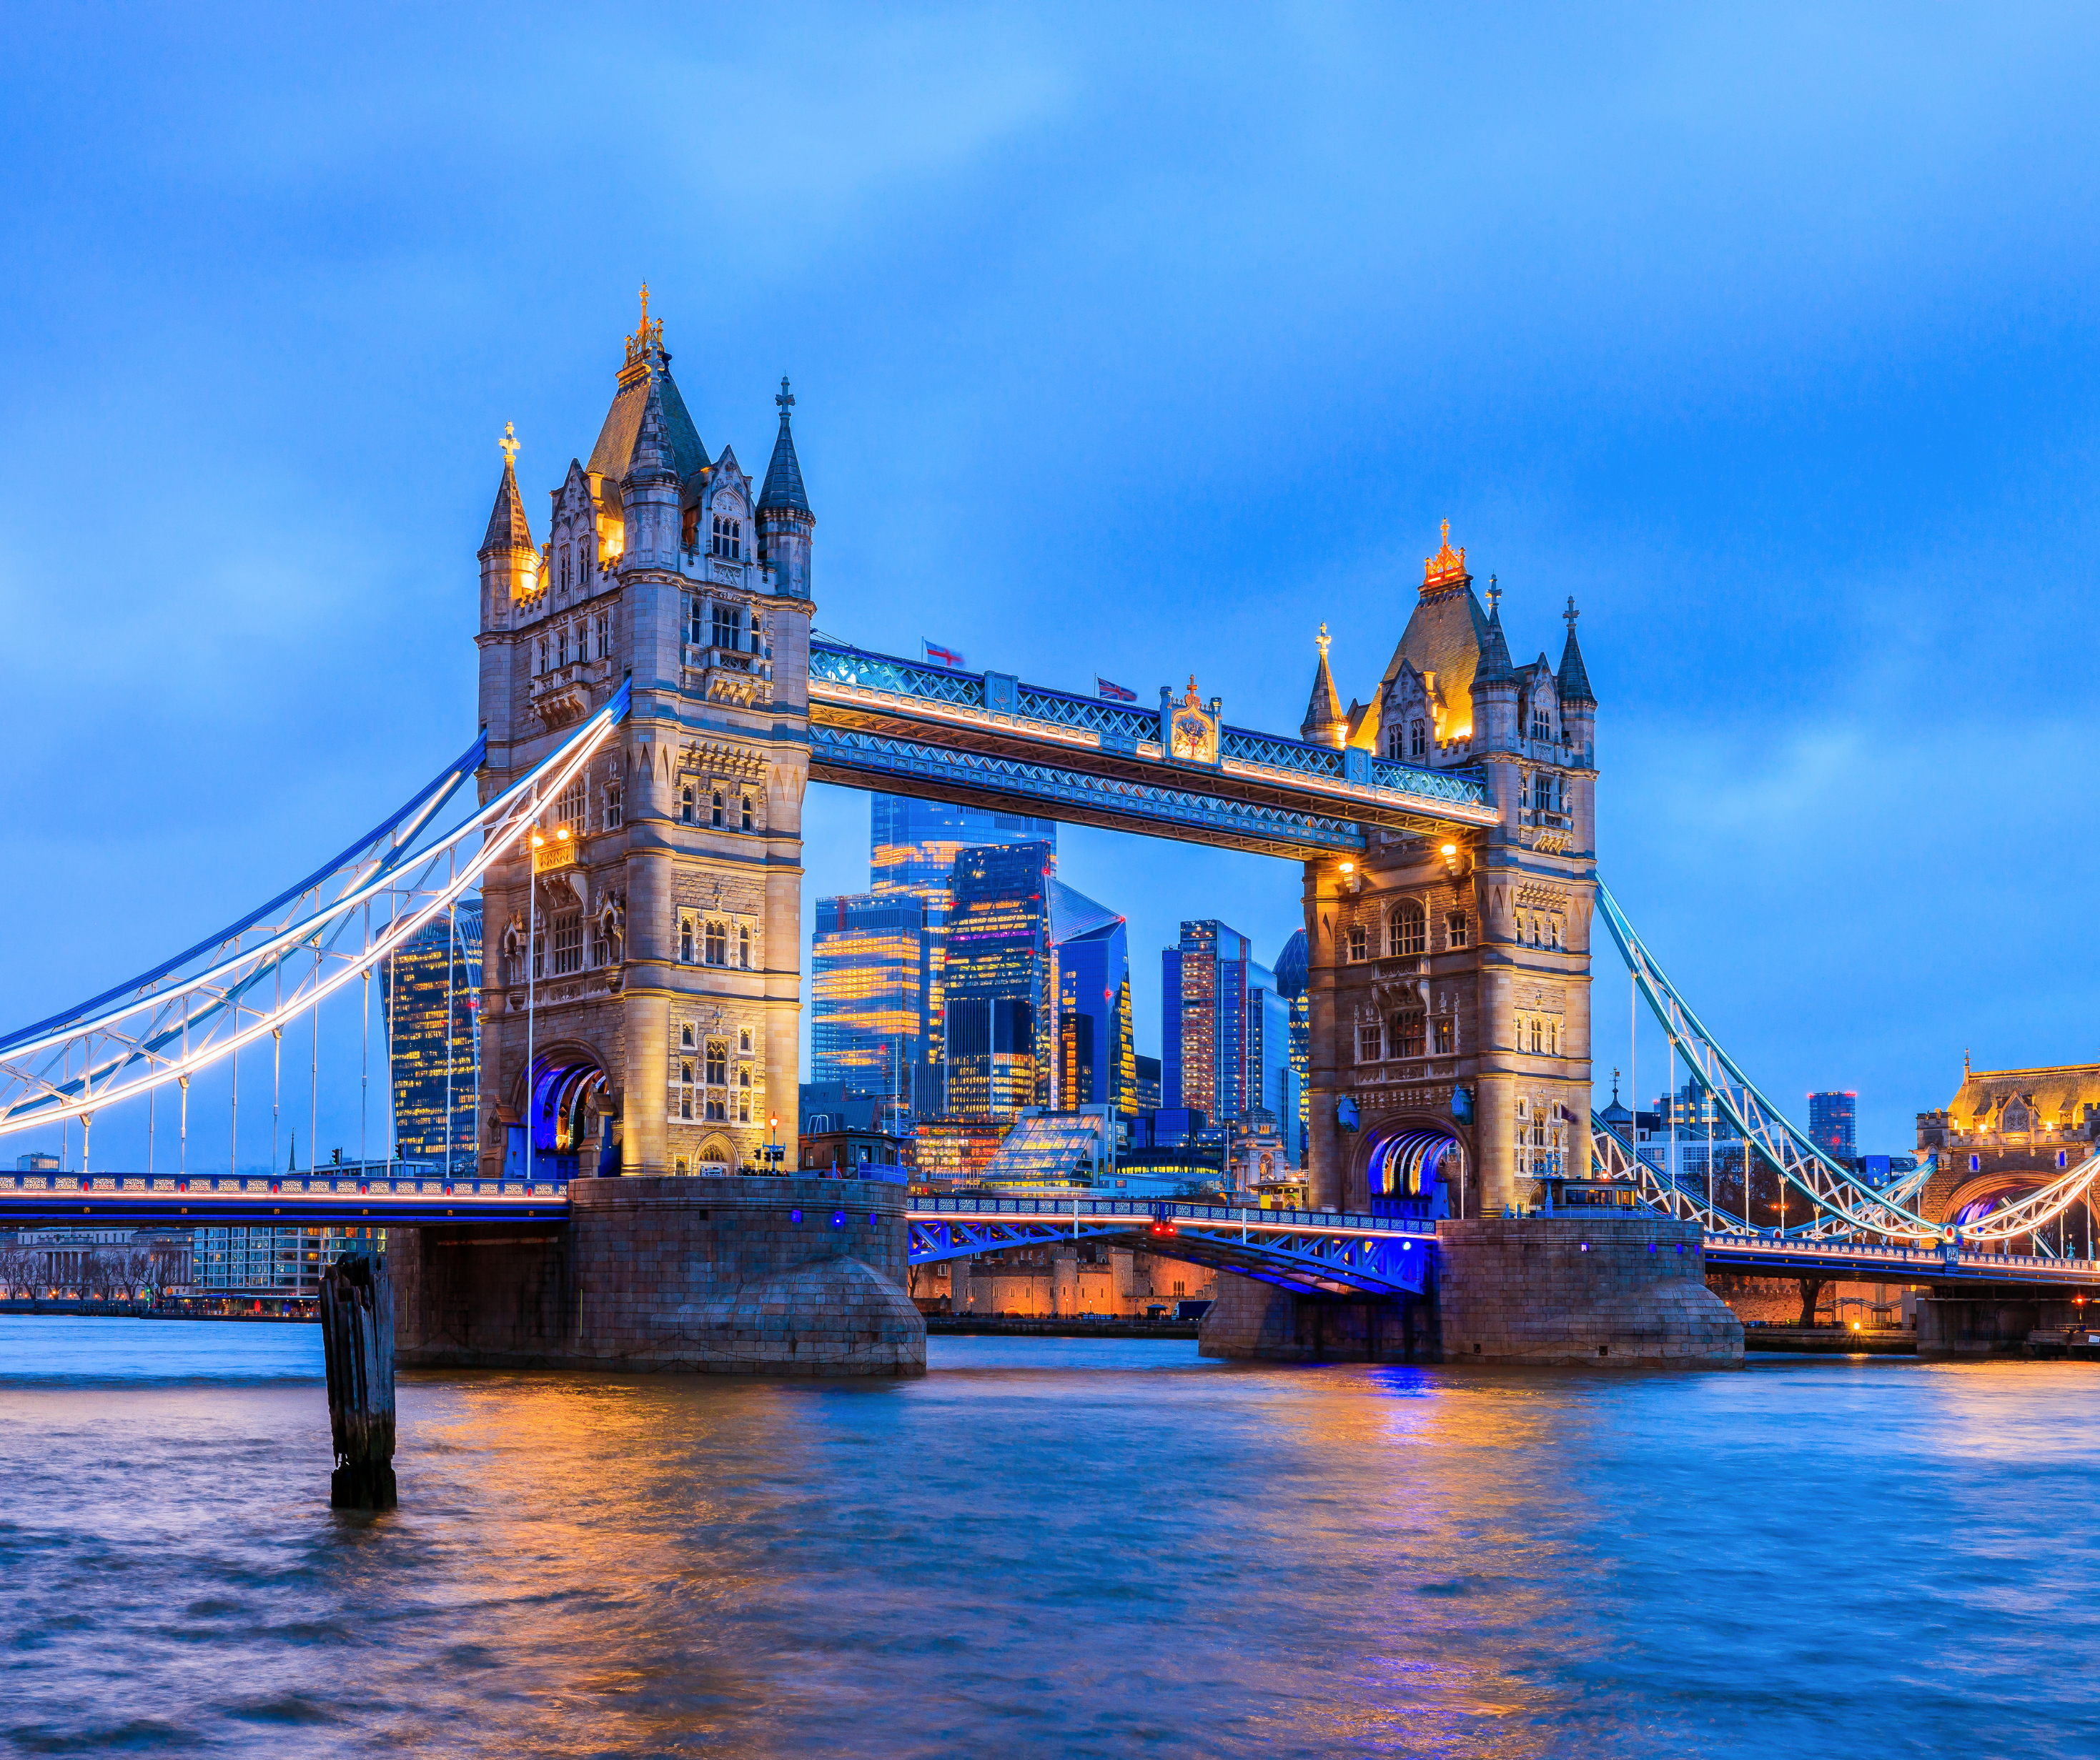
column 1831, row 1124
column 1000, row 982
column 912, row 848
column 431, row 991
column 1225, row 1030
column 1096, row 1051
column 869, row 994
column 1290, row 970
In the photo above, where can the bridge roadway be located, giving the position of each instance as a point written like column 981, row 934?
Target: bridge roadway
column 1334, row 1252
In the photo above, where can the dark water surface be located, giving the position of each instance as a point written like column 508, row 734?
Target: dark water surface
column 1046, row 1547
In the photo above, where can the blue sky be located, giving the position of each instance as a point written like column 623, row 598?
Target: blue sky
column 1130, row 340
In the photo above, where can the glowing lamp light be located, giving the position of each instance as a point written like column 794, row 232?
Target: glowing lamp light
column 1450, row 849
column 537, row 840
column 1348, row 868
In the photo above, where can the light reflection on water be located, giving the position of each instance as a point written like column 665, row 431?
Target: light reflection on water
column 1096, row 1547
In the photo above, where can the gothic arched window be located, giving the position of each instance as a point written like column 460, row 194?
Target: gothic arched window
column 747, row 813
column 1417, row 740
column 1357, row 949
column 717, row 1063
column 1409, row 931
column 718, row 819
column 685, row 1039
column 717, row 944
column 688, row 804
column 685, row 940
column 744, row 1041
column 744, row 959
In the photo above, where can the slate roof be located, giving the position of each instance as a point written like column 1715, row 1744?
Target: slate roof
column 508, row 527
column 1325, row 707
column 614, row 454
column 1494, row 650
column 1446, row 634
column 653, row 453
column 783, row 475
column 1574, row 676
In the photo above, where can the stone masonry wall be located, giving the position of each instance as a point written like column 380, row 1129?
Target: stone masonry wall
column 732, row 1275
column 1601, row 1292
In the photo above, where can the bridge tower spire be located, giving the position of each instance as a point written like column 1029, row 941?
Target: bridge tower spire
column 664, row 989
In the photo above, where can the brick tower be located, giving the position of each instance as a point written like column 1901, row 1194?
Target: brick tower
column 1449, row 976
column 654, row 964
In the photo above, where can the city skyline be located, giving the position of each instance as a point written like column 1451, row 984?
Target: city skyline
column 1815, row 450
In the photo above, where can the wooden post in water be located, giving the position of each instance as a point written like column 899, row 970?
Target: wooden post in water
column 357, row 1340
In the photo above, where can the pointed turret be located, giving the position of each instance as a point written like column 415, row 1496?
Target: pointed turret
column 509, row 529
column 1325, row 724
column 1495, row 645
column 784, row 474
column 785, row 522
column 1574, row 677
column 510, row 559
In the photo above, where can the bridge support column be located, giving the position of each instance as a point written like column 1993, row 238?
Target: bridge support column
column 1984, row 1322
column 736, row 1275
column 1259, row 1321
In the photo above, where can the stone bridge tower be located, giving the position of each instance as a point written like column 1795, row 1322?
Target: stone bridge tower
column 649, row 948
column 1449, row 976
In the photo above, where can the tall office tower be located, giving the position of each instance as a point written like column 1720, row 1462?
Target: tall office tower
column 432, row 992
column 1225, row 1029
column 1096, row 1057
column 868, row 982
column 1000, row 982
column 1291, row 970
column 1831, row 1124
column 1148, row 1084
column 912, row 848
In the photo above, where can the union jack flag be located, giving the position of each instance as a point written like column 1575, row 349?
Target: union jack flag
column 937, row 655
column 1114, row 692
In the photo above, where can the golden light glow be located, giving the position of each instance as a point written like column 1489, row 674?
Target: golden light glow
column 562, row 833
column 1450, row 849
column 537, row 840
column 1447, row 568
column 1348, row 868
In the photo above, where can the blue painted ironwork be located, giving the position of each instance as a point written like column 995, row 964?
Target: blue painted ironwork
column 1297, row 1249
column 1460, row 786
column 895, row 677
column 1066, row 709
column 291, row 1200
column 878, row 759
column 1885, row 1260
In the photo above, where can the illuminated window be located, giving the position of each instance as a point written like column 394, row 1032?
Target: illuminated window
column 1370, row 1041
column 717, row 944
column 689, row 804
column 718, row 819
column 1357, row 949
column 1408, row 929
column 1446, row 1035
column 1456, row 929
column 689, row 527
column 1409, row 1029
column 682, row 1165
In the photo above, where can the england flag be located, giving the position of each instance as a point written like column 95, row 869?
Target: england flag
column 937, row 655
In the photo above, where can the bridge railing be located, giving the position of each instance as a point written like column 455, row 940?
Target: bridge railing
column 291, row 1186
column 1170, row 1210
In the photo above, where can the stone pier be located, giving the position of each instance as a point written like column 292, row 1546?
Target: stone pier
column 1613, row 1292
column 732, row 1275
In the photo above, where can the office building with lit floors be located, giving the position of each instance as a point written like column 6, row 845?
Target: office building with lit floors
column 1290, row 974
column 431, row 991
column 1096, row 1057
column 1832, row 1125
column 1000, row 982
column 912, row 848
column 1225, row 1030
column 870, row 993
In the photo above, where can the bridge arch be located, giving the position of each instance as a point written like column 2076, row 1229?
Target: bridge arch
column 568, row 1111
column 1413, row 1164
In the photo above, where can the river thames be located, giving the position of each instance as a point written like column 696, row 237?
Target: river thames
column 1046, row 1547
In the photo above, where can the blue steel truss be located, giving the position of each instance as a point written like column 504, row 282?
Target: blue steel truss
column 302, row 1200
column 1317, row 1251
column 1120, row 727
column 878, row 759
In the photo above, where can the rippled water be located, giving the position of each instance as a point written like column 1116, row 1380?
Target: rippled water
column 1046, row 1547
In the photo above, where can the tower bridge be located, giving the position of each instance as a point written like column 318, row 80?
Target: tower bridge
column 654, row 703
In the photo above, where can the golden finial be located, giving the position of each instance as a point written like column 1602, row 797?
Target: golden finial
column 509, row 444
column 1447, row 567
column 644, row 332
column 1322, row 639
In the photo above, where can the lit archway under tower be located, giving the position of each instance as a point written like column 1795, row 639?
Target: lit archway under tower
column 569, row 1097
column 1408, row 1171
